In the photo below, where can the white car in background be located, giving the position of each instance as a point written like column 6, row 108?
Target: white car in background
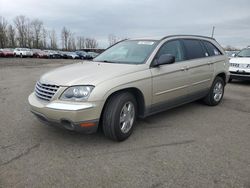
column 240, row 65
column 23, row 52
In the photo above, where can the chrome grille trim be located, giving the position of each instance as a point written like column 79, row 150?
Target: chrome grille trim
column 45, row 91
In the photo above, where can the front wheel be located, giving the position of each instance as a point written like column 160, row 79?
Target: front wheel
column 119, row 116
column 216, row 92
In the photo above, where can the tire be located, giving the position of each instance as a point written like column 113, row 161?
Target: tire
column 216, row 92
column 118, row 121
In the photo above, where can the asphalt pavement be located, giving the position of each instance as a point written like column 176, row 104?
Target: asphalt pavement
column 190, row 146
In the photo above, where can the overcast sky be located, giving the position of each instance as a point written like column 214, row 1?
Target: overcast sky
column 131, row 18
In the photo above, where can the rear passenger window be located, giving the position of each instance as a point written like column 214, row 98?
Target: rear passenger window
column 212, row 50
column 173, row 48
column 193, row 49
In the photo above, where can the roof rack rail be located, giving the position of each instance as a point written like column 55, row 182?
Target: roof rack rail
column 187, row 36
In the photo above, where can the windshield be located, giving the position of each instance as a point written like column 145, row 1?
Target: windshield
column 129, row 52
column 244, row 53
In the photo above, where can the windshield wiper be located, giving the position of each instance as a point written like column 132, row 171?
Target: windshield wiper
column 106, row 61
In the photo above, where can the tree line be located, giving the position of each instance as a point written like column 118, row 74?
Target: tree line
column 32, row 33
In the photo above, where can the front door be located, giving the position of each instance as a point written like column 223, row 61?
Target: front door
column 170, row 81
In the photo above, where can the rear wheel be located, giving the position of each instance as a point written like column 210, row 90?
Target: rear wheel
column 216, row 92
column 119, row 116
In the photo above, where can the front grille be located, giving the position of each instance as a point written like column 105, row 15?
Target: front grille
column 45, row 91
column 234, row 64
column 237, row 65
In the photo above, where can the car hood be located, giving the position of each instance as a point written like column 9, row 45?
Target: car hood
column 240, row 60
column 88, row 73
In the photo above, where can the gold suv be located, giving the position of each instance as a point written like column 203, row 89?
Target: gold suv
column 134, row 78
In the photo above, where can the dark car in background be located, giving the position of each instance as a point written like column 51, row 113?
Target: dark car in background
column 72, row 55
column 93, row 54
column 63, row 54
column 83, row 55
column 52, row 54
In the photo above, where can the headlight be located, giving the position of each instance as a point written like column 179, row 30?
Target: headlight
column 77, row 93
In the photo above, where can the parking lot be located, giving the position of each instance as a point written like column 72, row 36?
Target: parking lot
column 190, row 146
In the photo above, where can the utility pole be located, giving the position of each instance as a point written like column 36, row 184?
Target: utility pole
column 213, row 31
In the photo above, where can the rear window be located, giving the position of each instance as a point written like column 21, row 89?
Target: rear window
column 193, row 49
column 212, row 50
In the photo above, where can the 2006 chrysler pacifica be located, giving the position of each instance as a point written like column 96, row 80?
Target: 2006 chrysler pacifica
column 134, row 78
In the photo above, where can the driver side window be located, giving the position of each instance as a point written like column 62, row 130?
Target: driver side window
column 173, row 48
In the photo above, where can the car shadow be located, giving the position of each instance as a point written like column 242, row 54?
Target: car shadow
column 239, row 82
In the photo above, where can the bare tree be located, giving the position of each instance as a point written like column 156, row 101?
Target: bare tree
column 65, row 37
column 53, row 39
column 30, row 35
column 3, row 32
column 91, row 43
column 71, row 42
column 21, row 23
column 44, row 38
column 36, row 26
column 11, row 36
column 112, row 39
column 80, row 42
column 230, row 48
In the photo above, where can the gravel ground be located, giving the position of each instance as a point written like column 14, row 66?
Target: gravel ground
column 190, row 146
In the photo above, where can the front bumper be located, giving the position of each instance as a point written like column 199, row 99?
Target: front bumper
column 81, row 117
column 240, row 75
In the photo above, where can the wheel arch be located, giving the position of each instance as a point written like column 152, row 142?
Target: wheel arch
column 137, row 93
column 223, row 76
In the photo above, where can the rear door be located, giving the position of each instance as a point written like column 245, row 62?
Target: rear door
column 200, row 69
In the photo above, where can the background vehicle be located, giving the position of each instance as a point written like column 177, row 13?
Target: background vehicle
column 6, row 52
column 93, row 54
column 52, row 54
column 23, row 52
column 63, row 54
column 240, row 65
column 72, row 55
column 39, row 53
column 231, row 54
column 83, row 55
column 134, row 78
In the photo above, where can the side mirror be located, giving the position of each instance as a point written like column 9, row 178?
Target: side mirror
column 233, row 55
column 165, row 59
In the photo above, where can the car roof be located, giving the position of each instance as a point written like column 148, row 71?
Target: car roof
column 159, row 38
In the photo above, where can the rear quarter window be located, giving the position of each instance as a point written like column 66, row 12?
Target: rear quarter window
column 193, row 49
column 212, row 49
